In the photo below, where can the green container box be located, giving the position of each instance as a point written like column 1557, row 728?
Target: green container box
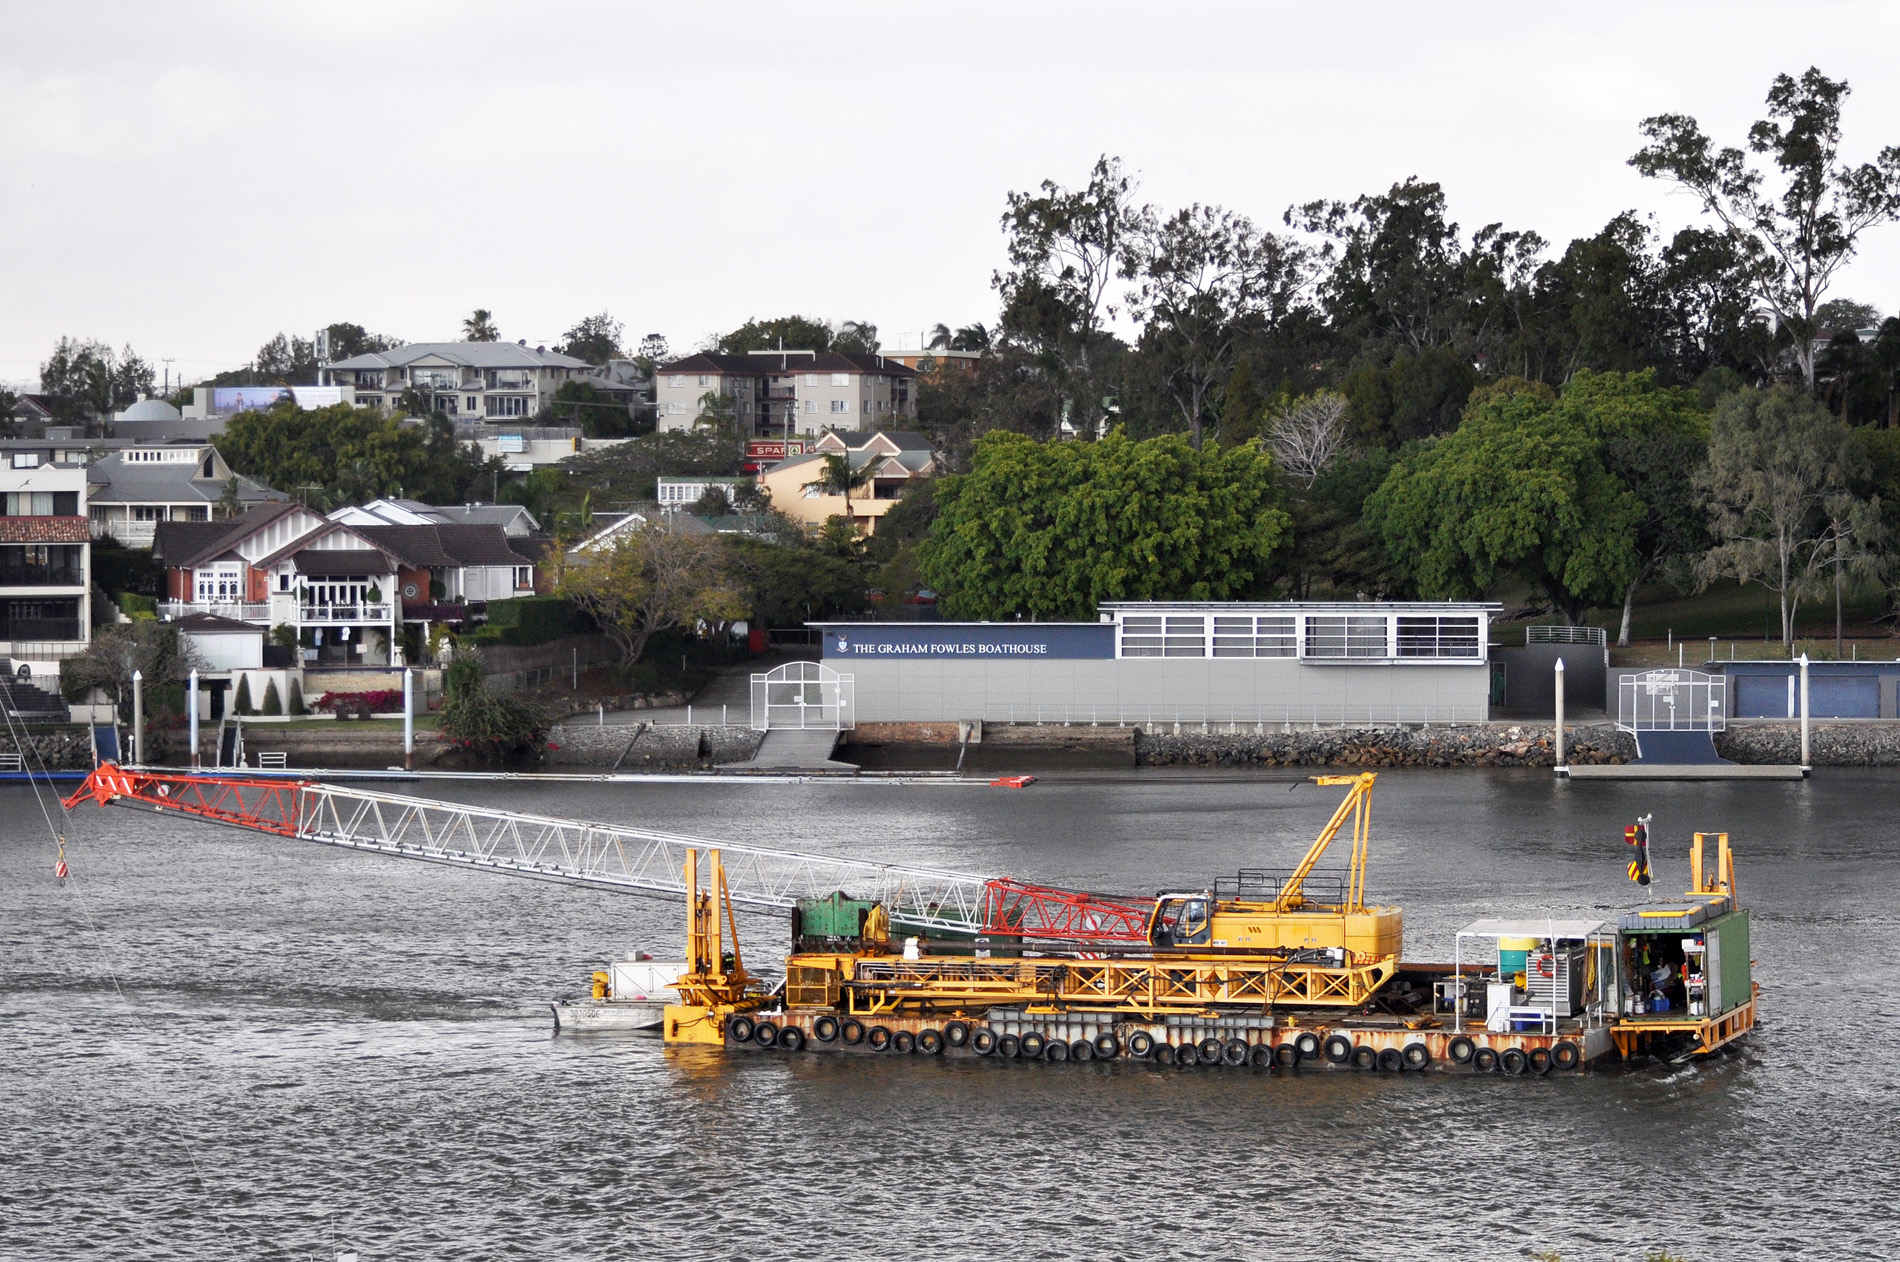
column 834, row 916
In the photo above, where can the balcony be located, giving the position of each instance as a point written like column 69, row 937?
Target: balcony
column 342, row 615
column 20, row 630
column 239, row 611
column 41, row 576
column 133, row 534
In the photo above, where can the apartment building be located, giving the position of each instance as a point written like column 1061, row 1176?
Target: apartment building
column 45, row 563
column 780, row 394
column 494, row 381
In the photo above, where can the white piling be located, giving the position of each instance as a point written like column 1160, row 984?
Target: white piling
column 1805, row 764
column 191, row 709
column 408, row 719
column 138, row 718
column 1562, row 768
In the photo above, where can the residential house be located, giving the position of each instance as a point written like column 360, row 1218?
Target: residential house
column 492, row 381
column 45, row 564
column 443, row 564
column 779, row 394
column 896, row 460
column 684, row 492
column 132, row 489
column 515, row 521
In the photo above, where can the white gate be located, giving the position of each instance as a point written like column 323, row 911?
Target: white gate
column 802, row 695
column 1672, row 701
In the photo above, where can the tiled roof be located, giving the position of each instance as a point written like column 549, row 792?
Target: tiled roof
column 415, row 546
column 479, row 545
column 464, row 354
column 186, row 543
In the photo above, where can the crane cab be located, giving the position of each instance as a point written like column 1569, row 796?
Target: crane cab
column 1182, row 920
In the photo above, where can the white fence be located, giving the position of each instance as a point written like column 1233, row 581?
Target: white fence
column 1672, row 701
column 802, row 695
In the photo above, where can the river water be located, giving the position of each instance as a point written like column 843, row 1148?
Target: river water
column 216, row 1044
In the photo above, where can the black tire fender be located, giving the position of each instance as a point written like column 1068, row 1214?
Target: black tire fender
column 1338, row 1049
column 825, row 1029
column 1009, row 1046
column 1485, row 1060
column 1055, row 1050
column 1391, row 1060
column 1107, row 1046
column 903, row 1042
column 1032, row 1045
column 1081, row 1049
column 852, row 1032
column 1141, row 1045
column 739, row 1028
column 1539, row 1059
column 1163, row 1054
column 929, row 1042
column 791, row 1039
column 1364, row 1057
column 1260, row 1056
column 765, row 1034
column 956, row 1034
column 1210, row 1050
column 1287, row 1055
column 1417, row 1056
column 1566, row 1055
column 1308, row 1044
column 1513, row 1061
column 1461, row 1049
column 1186, row 1057
column 983, row 1041
column 1235, row 1052
column 878, row 1038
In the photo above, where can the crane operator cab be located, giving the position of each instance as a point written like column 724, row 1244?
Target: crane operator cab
column 1182, row 920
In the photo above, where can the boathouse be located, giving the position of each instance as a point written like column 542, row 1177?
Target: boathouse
column 1156, row 662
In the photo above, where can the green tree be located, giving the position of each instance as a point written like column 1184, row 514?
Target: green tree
column 1052, row 529
column 586, row 405
column 155, row 650
column 595, row 339
column 856, row 335
column 347, row 341
column 490, row 724
column 790, row 583
column 351, row 453
column 1793, row 240
column 86, row 380
column 1776, row 459
column 1396, row 266
column 1514, row 489
column 480, row 327
column 651, row 580
column 792, row 333
column 837, row 477
column 287, row 361
column 1241, row 407
column 273, row 704
column 242, row 703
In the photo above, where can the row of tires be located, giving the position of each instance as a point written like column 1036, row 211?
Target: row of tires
column 1336, row 1049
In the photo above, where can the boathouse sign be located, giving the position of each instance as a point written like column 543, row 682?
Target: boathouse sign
column 992, row 640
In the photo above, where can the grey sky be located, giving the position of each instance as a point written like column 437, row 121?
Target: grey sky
column 194, row 177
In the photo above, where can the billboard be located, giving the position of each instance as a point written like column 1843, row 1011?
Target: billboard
column 230, row 400
column 762, row 453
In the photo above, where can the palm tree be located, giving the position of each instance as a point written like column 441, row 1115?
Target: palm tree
column 839, row 478
column 940, row 337
column 971, row 337
column 480, row 327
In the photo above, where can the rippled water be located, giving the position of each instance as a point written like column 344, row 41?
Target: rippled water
column 215, row 1044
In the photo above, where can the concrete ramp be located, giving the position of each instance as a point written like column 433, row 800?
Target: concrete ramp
column 795, row 749
column 1678, row 749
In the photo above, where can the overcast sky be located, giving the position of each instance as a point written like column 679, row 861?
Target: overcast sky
column 194, row 177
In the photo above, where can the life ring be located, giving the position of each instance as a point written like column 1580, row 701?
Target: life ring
column 1141, row 1044
column 1032, row 1045
column 1485, row 1060
column 791, row 1039
column 1287, row 1055
column 1081, row 1049
column 1565, row 1055
column 1235, row 1052
column 956, row 1034
column 825, row 1029
column 852, row 1032
column 1514, row 1061
column 765, row 1034
column 1212, row 1051
column 1307, row 1043
column 1391, row 1060
column 739, row 1029
column 1417, row 1056
column 1055, row 1050
column 1544, row 966
column 983, row 1041
column 929, row 1042
column 1107, row 1046
column 1009, row 1046
column 1260, row 1056
column 878, row 1038
column 1338, row 1049
column 1460, row 1049
column 1364, row 1057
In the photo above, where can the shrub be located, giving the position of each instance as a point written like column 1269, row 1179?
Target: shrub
column 296, row 696
column 344, row 704
column 273, row 705
column 478, row 720
column 133, row 604
column 242, row 705
column 531, row 620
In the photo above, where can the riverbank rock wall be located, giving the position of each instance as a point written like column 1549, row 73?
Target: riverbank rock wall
column 640, row 746
column 1472, row 745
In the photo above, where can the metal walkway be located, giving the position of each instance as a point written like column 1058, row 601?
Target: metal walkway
column 795, row 749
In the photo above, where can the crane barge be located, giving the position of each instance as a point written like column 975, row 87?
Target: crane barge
column 1264, row 970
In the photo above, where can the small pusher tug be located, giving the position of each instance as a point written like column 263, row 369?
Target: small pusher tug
column 1264, row 970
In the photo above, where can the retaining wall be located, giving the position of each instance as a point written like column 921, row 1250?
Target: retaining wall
column 636, row 746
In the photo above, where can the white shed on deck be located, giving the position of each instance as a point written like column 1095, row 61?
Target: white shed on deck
column 223, row 643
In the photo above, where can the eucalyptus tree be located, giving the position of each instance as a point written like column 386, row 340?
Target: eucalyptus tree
column 1794, row 237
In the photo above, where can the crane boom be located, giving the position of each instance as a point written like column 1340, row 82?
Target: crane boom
column 609, row 855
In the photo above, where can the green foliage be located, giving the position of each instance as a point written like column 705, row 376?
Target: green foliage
column 493, row 725
column 652, row 580
column 595, row 339
column 786, row 584
column 135, row 605
column 793, row 332
column 1516, row 488
column 480, row 327
column 597, row 414
column 273, row 704
column 85, row 380
column 626, row 472
column 352, row 454
column 154, row 649
column 1049, row 530
column 127, row 570
column 1417, row 396
column 296, row 706
column 284, row 636
column 241, row 704
column 530, row 620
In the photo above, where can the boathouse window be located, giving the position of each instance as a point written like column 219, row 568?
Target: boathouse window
column 1330, row 636
column 1236, row 636
column 1438, row 637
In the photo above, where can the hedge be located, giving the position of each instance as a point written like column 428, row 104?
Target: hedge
column 530, row 620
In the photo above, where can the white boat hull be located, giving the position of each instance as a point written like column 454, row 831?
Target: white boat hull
column 607, row 1016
